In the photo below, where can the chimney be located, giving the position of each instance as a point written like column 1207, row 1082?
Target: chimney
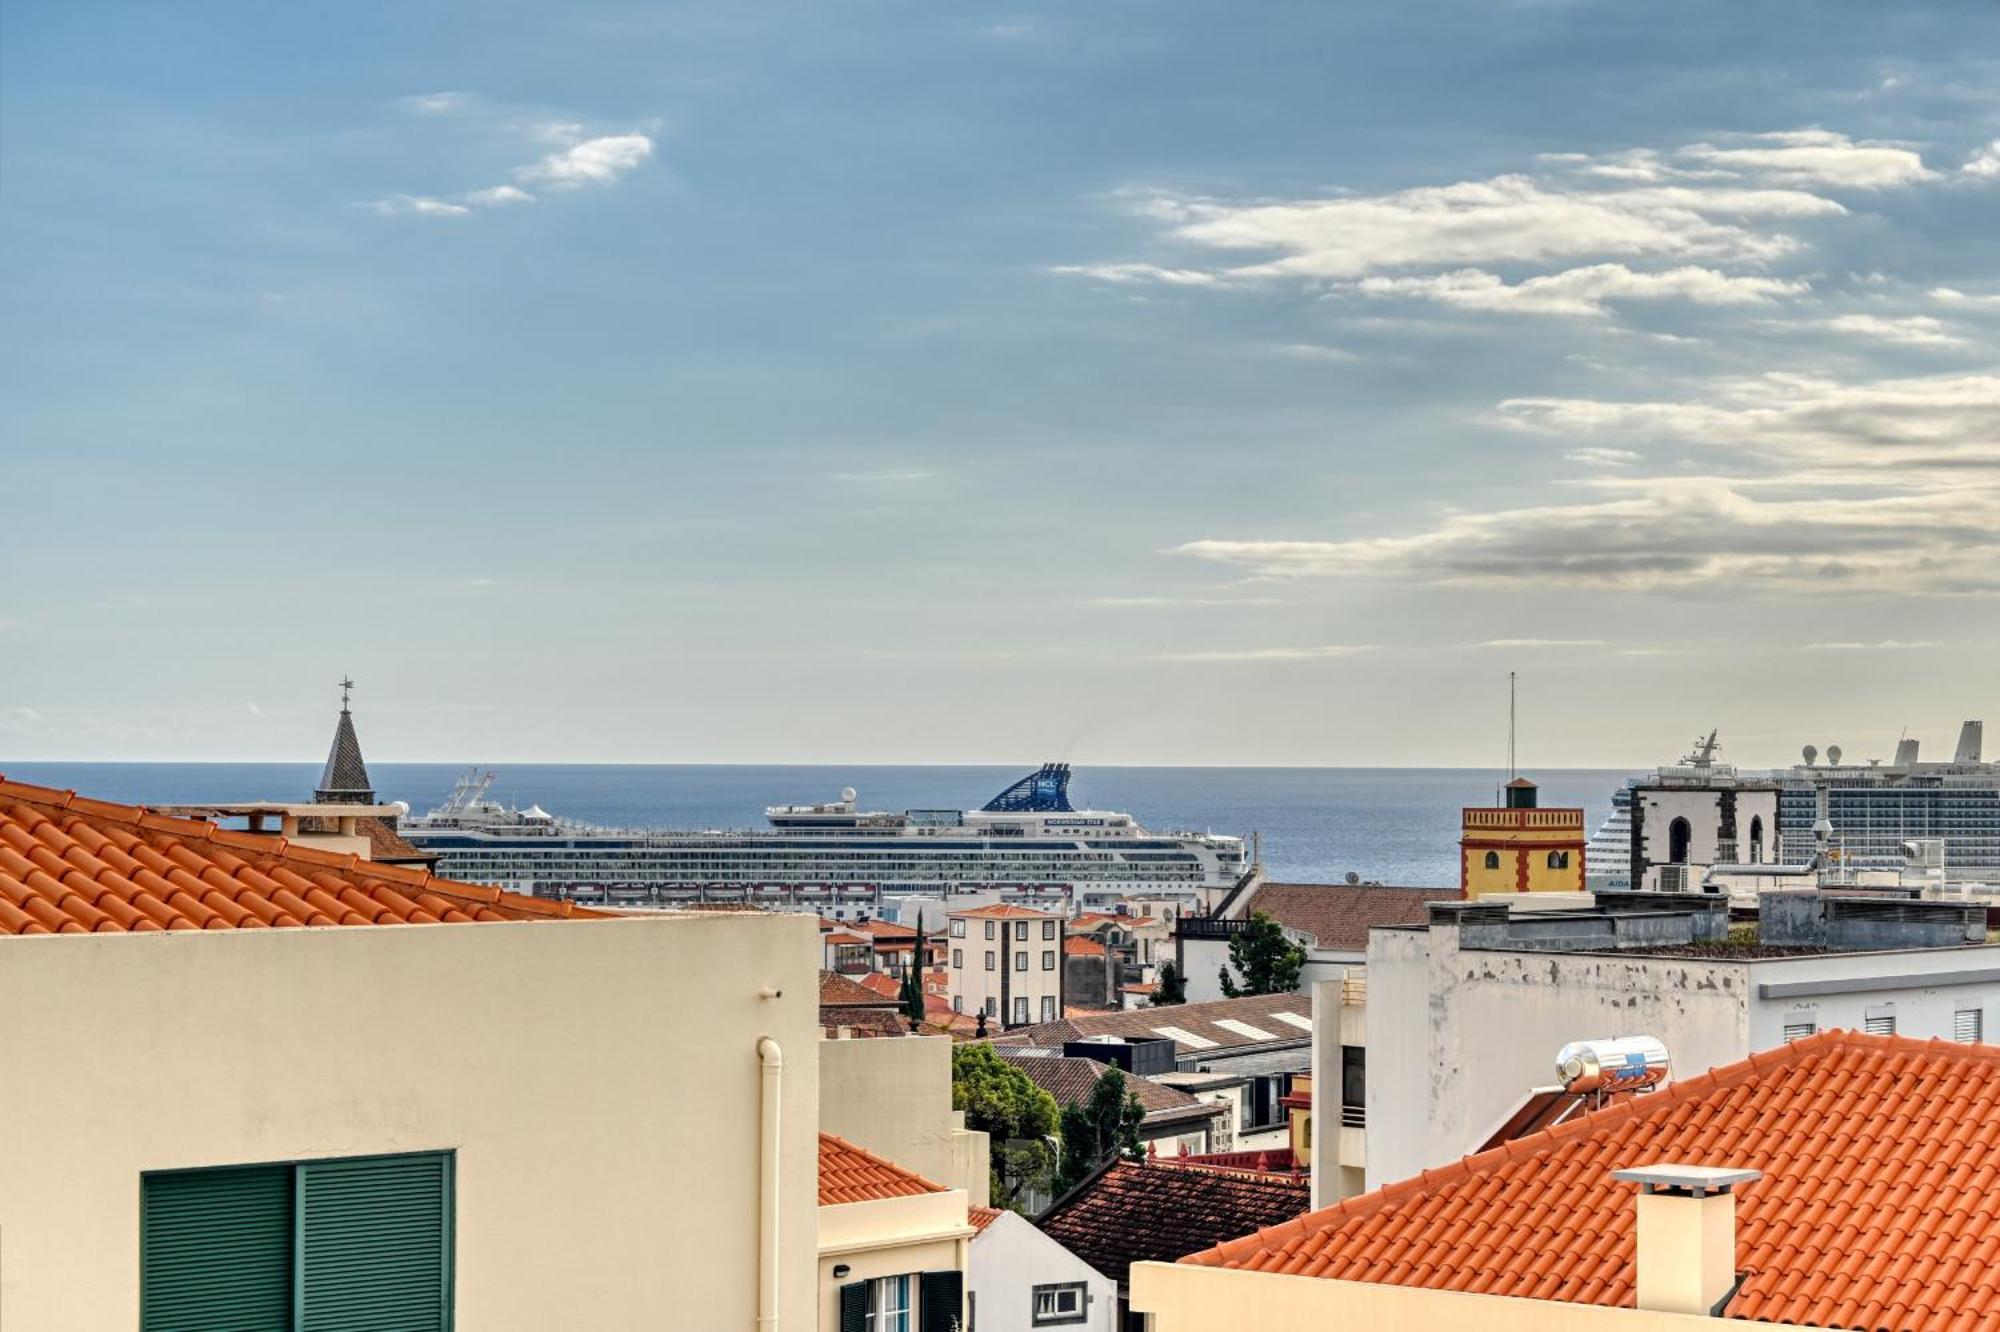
column 1687, row 1235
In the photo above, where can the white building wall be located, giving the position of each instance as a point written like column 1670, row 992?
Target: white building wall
column 1701, row 806
column 598, row 1080
column 1010, row 1258
column 1923, row 992
column 973, row 987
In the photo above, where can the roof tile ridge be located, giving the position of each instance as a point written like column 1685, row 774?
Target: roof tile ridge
column 905, row 1171
column 37, row 795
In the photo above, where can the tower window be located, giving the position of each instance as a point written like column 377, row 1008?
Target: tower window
column 1492, row 860
column 1558, row 860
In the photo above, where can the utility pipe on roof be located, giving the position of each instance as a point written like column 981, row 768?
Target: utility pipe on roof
column 773, row 1061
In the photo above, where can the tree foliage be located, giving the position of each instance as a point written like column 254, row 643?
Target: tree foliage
column 1107, row 1124
column 1173, row 986
column 1018, row 1117
column 911, row 999
column 1268, row 962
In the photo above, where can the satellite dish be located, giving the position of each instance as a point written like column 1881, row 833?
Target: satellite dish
column 1811, row 754
column 1833, row 753
column 1352, row 877
column 847, row 794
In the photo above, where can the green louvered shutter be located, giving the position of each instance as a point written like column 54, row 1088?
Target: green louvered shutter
column 943, row 1301
column 374, row 1241
column 854, row 1307
column 215, row 1250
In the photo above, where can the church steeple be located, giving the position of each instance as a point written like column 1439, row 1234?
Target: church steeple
column 344, row 781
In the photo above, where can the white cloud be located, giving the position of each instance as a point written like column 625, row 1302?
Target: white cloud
column 1984, row 164
column 1596, row 457
column 1673, row 534
column 1508, row 219
column 415, row 205
column 1953, row 296
column 1582, row 291
column 439, row 103
column 1908, row 330
column 1814, row 157
column 596, row 161
column 1007, row 32
column 1177, row 602
column 1313, row 351
column 1885, row 645
column 886, row 476
column 1540, row 643
column 1131, row 273
column 497, row 196
column 1276, row 654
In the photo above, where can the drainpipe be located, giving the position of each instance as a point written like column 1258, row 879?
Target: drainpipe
column 773, row 1062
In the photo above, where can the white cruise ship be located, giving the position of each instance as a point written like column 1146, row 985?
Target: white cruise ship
column 832, row 857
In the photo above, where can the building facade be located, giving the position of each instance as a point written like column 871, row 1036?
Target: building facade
column 1519, row 847
column 1006, row 962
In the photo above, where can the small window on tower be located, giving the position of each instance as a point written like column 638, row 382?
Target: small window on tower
column 1492, row 860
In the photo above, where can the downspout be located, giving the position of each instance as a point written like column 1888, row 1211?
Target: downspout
column 773, row 1062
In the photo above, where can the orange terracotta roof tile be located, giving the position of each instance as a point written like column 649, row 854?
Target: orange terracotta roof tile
column 850, row 1174
column 1158, row 1210
column 1005, row 911
column 1878, row 1159
column 885, row 987
column 72, row 865
column 835, row 988
column 982, row 1217
column 1078, row 946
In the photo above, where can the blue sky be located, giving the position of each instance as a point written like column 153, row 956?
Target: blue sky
column 1118, row 382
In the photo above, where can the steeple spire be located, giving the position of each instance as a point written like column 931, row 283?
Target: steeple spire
column 344, row 780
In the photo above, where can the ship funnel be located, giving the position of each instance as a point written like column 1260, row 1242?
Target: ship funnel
column 1970, row 738
column 1906, row 753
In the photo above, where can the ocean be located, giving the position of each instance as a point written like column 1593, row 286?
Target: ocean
column 1317, row 825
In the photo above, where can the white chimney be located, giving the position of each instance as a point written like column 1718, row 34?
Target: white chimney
column 1687, row 1235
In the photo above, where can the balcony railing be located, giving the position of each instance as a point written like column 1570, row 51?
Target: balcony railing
column 1354, row 989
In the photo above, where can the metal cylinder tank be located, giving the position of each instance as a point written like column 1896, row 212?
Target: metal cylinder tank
column 1618, row 1063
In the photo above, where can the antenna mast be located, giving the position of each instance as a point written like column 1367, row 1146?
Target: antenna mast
column 1510, row 726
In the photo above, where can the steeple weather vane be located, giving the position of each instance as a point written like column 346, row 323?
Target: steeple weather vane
column 346, row 687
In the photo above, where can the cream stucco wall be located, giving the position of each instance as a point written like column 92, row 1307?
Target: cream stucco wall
column 598, row 1080
column 1209, row 1299
column 974, row 988
column 889, row 1237
column 893, row 1097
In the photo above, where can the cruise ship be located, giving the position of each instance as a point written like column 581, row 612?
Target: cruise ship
column 833, row 857
column 1873, row 812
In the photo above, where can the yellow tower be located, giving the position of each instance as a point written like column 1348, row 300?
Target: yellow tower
column 1518, row 848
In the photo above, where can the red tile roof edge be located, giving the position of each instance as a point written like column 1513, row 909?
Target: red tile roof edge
column 1659, row 1103
column 908, row 1183
column 201, row 830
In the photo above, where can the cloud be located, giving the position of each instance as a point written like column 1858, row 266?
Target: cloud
column 1275, row 654
column 1007, row 32
column 253, row 709
column 1885, row 645
column 1953, row 296
column 1175, row 602
column 1596, row 457
column 1948, row 423
column 1540, row 643
column 886, row 476
column 1582, row 291
column 1126, row 274
column 1908, row 330
column 1814, row 157
column 1984, row 164
column 1672, row 534
column 497, row 196
column 439, row 103
column 415, row 205
column 598, row 161
column 1313, row 351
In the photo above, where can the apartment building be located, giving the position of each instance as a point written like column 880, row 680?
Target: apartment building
column 1006, row 962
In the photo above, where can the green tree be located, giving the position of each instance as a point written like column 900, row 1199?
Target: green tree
column 1173, row 986
column 1107, row 1124
column 1018, row 1117
column 1268, row 962
column 912, row 997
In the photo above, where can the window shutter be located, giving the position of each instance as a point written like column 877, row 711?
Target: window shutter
column 375, row 1245
column 942, row 1302
column 1967, row 1025
column 1880, row 1026
column 1798, row 1031
column 854, row 1307
column 216, row 1251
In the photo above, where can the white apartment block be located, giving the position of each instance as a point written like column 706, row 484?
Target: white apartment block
column 1006, row 962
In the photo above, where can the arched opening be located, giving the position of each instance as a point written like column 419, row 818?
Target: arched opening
column 1678, row 834
column 1492, row 860
column 1558, row 860
column 1757, row 839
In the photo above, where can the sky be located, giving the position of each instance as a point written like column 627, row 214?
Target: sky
column 923, row 382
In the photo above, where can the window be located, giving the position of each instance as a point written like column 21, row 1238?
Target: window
column 1879, row 1024
column 1048, row 929
column 989, row 959
column 1021, row 1008
column 1021, row 961
column 1492, row 860
column 958, row 929
column 1057, row 1305
column 363, row 1242
column 1048, row 1008
column 1558, row 860
column 989, row 929
column 1678, row 836
column 992, row 1006
column 1048, row 959
column 1353, row 1085
column 958, row 959
column 1021, row 931
column 1757, row 839
column 889, row 1305
column 1799, row 1028
column 1968, row 1026
column 957, row 1005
